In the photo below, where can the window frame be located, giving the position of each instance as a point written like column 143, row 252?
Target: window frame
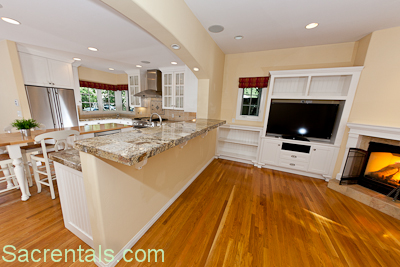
column 82, row 102
column 261, row 108
column 109, row 103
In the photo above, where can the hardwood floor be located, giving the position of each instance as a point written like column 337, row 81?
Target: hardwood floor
column 232, row 215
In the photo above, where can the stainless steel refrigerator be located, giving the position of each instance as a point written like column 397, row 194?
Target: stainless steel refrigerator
column 55, row 108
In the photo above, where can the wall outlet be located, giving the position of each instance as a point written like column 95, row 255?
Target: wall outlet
column 19, row 113
column 173, row 115
column 16, row 102
column 233, row 120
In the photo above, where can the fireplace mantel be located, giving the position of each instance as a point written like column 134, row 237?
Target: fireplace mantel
column 358, row 130
column 386, row 132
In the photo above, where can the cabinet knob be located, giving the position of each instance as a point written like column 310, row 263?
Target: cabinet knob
column 279, row 144
column 292, row 164
column 293, row 156
column 315, row 149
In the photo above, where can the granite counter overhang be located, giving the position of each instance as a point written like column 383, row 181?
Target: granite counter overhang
column 135, row 146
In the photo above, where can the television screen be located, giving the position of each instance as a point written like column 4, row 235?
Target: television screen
column 315, row 120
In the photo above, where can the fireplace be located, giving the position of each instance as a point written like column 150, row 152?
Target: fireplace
column 377, row 169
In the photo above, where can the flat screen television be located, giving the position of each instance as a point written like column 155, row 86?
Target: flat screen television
column 302, row 120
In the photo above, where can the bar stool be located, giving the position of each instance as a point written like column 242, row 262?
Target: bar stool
column 60, row 138
column 8, row 171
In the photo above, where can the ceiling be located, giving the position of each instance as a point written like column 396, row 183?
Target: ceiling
column 269, row 24
column 70, row 27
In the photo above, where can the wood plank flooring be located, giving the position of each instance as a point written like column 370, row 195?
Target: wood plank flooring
column 232, row 215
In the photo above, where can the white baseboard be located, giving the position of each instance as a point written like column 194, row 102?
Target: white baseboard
column 136, row 238
column 312, row 175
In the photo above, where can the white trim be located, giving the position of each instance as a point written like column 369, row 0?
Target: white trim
column 303, row 173
column 136, row 238
column 260, row 110
column 375, row 131
column 315, row 72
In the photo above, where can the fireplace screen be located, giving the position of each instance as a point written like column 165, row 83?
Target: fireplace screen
column 384, row 167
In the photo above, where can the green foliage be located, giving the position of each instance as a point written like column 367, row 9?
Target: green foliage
column 25, row 124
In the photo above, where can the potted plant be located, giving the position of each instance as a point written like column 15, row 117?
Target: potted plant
column 25, row 126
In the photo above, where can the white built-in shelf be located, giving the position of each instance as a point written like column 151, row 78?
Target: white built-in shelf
column 240, row 143
column 249, row 143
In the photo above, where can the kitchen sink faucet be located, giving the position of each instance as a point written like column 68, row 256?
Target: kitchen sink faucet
column 151, row 116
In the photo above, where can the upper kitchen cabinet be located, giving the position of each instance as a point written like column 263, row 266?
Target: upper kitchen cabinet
column 134, row 87
column 41, row 71
column 179, row 89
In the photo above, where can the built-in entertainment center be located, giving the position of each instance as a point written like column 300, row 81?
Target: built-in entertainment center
column 305, row 119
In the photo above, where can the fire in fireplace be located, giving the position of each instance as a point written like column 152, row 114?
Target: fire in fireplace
column 377, row 169
column 384, row 167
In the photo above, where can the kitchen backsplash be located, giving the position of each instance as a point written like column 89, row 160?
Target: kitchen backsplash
column 154, row 106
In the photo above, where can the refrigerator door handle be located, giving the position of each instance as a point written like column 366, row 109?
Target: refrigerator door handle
column 51, row 107
column 59, row 108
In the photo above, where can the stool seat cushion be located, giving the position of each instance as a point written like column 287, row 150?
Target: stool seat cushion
column 34, row 146
column 4, row 157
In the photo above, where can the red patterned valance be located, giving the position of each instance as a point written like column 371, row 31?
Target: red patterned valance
column 250, row 82
column 104, row 86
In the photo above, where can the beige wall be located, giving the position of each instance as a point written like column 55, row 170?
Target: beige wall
column 256, row 64
column 98, row 76
column 122, row 200
column 378, row 93
column 172, row 22
column 11, row 85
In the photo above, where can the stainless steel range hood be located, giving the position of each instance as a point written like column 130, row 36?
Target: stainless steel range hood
column 154, row 88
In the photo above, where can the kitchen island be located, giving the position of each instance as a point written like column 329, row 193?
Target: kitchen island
column 130, row 179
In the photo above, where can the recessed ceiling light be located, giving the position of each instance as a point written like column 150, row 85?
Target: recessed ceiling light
column 311, row 25
column 216, row 28
column 92, row 49
column 145, row 62
column 138, row 66
column 175, row 46
column 174, row 63
column 239, row 37
column 77, row 59
column 110, row 68
column 196, row 69
column 12, row 21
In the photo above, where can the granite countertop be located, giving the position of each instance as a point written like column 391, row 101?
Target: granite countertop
column 69, row 158
column 135, row 146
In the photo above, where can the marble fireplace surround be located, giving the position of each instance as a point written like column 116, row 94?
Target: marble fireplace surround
column 359, row 137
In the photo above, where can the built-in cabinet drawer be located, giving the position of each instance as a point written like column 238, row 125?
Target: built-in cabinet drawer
column 294, row 156
column 298, row 165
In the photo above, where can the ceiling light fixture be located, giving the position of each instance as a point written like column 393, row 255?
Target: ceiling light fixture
column 110, row 68
column 216, row 28
column 196, row 69
column 239, row 37
column 138, row 66
column 92, row 49
column 175, row 46
column 311, row 26
column 77, row 59
column 174, row 63
column 145, row 62
column 12, row 21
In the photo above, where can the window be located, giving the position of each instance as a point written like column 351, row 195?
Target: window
column 89, row 99
column 108, row 98
column 124, row 98
column 251, row 101
column 250, row 104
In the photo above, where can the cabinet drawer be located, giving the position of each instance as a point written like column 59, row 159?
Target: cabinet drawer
column 294, row 156
column 302, row 166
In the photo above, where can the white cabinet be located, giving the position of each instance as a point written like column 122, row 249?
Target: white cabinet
column 270, row 151
column 321, row 159
column 134, row 87
column 179, row 85
column 173, row 90
column 43, row 71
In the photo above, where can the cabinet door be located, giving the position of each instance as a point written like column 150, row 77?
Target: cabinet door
column 60, row 74
column 134, row 87
column 321, row 159
column 179, row 87
column 270, row 150
column 168, row 94
column 35, row 70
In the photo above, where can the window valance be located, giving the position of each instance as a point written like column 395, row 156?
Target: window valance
column 104, row 86
column 250, row 82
